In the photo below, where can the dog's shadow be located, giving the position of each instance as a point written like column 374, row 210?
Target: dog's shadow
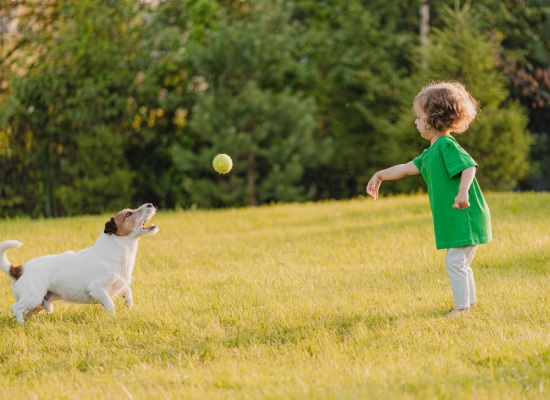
column 65, row 315
column 7, row 322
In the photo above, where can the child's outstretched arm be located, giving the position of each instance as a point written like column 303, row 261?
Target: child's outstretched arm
column 462, row 198
column 390, row 174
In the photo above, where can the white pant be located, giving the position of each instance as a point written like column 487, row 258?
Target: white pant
column 461, row 276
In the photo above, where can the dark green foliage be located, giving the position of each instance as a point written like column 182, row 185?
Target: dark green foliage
column 97, row 182
column 69, row 103
column 524, row 31
column 246, row 112
column 355, row 58
column 164, row 93
column 106, row 105
column 499, row 140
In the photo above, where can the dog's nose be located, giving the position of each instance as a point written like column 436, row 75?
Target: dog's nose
column 149, row 205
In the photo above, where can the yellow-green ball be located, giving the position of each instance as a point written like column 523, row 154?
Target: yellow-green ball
column 222, row 163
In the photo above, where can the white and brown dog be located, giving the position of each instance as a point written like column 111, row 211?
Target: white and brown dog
column 92, row 275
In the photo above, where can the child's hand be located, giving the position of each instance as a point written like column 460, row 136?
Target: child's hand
column 461, row 200
column 373, row 186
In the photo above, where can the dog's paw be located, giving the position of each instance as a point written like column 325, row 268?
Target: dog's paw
column 48, row 307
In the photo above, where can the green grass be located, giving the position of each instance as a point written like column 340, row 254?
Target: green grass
column 336, row 300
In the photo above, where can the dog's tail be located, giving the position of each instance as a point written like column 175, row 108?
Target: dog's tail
column 4, row 247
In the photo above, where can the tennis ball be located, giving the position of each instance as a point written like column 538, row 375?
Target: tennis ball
column 222, row 163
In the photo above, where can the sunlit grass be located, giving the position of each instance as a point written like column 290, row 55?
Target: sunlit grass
column 332, row 300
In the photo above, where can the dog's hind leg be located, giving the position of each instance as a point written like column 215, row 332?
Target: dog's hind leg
column 48, row 300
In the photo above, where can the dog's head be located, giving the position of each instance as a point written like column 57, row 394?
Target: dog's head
column 131, row 223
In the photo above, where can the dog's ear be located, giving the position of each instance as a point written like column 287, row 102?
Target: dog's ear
column 110, row 226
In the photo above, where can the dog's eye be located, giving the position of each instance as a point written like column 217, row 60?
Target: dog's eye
column 128, row 214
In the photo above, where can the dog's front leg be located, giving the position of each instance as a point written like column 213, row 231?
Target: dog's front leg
column 29, row 313
column 100, row 295
column 126, row 293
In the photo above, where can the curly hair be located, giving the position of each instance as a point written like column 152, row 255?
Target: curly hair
column 448, row 106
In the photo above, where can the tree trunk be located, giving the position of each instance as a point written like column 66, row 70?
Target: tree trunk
column 424, row 21
column 251, row 182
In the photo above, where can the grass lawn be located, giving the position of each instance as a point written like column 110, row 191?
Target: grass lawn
column 334, row 300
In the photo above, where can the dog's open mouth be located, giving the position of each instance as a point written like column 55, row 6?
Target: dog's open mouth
column 147, row 228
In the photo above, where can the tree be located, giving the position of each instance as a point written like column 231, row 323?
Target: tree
column 355, row 56
column 103, row 104
column 245, row 111
column 163, row 95
column 523, row 30
column 499, row 140
column 68, row 85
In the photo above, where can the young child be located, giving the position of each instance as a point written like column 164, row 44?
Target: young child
column 460, row 214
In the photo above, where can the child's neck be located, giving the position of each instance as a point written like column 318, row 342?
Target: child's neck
column 438, row 135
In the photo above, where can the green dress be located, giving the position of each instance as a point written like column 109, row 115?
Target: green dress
column 441, row 166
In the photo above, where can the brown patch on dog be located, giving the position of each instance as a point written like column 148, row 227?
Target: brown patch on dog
column 125, row 222
column 16, row 271
column 49, row 295
column 35, row 310
column 110, row 226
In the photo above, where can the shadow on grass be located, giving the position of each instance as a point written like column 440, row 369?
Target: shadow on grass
column 7, row 322
column 536, row 263
column 339, row 328
column 66, row 314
